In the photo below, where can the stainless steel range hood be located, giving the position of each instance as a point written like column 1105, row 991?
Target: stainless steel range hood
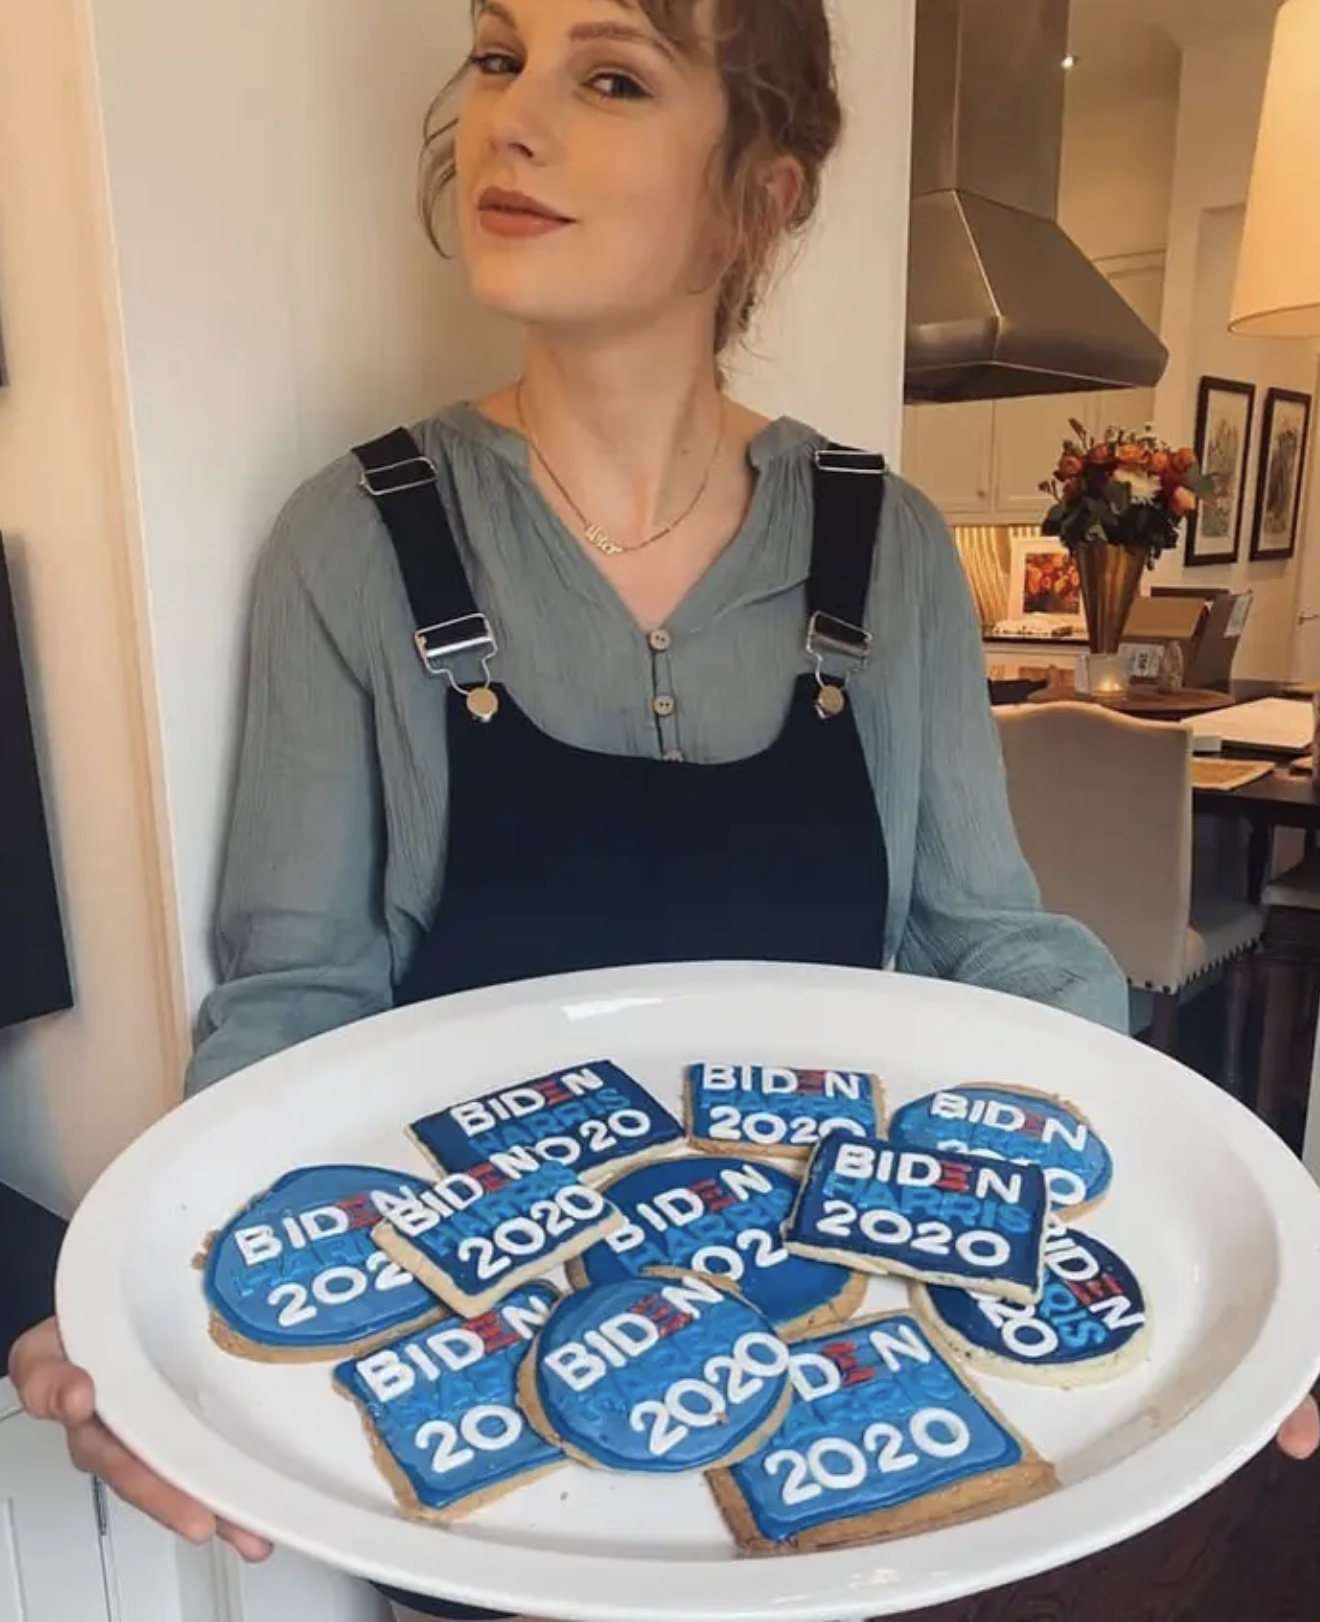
column 1001, row 301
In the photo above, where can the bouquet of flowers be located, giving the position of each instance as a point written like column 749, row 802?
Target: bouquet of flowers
column 1126, row 489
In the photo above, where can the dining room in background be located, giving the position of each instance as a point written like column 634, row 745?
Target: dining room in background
column 1285, row 436
column 1225, row 415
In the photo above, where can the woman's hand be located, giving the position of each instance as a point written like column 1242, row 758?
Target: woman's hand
column 50, row 1387
column 1300, row 1436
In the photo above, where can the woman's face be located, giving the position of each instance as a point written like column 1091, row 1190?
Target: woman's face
column 585, row 147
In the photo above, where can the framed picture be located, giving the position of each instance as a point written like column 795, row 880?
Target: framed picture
column 1280, row 486
column 1044, row 580
column 1224, row 416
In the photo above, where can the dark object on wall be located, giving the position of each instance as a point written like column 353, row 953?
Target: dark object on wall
column 1224, row 413
column 1281, row 481
column 34, row 971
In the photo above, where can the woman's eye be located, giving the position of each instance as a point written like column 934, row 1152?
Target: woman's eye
column 493, row 64
column 619, row 87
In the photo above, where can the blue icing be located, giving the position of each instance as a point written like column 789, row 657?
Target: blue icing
column 1091, row 1307
column 490, row 1226
column 878, row 1419
column 655, row 1374
column 998, row 1121
column 924, row 1214
column 298, row 1268
column 592, row 1115
column 773, row 1107
column 716, row 1216
column 443, row 1401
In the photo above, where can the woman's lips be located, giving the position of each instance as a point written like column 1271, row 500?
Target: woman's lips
column 511, row 214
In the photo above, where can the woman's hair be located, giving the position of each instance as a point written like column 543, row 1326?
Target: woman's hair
column 775, row 59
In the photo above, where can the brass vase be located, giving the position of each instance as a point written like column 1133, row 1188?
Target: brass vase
column 1110, row 575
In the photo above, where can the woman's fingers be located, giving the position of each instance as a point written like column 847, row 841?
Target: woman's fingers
column 94, row 1449
column 1300, row 1434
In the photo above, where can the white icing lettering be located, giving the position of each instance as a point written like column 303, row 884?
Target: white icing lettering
column 386, row 1375
column 578, row 1368
column 1001, row 1117
column 515, row 1162
column 858, row 1160
column 256, row 1245
column 625, row 1238
column 1074, row 1136
column 691, row 1295
column 417, row 1354
column 746, row 1182
column 814, row 1376
column 949, row 1107
column 326, row 1222
column 611, row 1354
column 719, row 1078
column 473, row 1118
column 1118, row 1313
column 296, row 1237
column 1007, row 1187
column 893, row 1345
column 457, row 1348
column 777, row 1082
column 681, row 1206
column 525, row 1318
column 567, row 1151
column 631, row 1333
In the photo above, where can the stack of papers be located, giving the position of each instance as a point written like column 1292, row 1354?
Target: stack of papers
column 1280, row 725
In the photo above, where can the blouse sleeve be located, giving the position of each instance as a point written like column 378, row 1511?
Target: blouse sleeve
column 300, row 941
column 976, row 913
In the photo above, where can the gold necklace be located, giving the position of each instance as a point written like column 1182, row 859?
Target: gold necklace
column 592, row 533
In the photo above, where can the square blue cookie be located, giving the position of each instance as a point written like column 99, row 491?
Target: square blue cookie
column 941, row 1218
column 883, row 1438
column 440, row 1410
column 778, row 1112
column 591, row 1118
column 477, row 1234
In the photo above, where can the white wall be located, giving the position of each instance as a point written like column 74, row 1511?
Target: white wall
column 1223, row 89
column 74, row 1088
column 1116, row 187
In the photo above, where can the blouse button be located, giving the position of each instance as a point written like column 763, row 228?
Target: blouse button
column 664, row 705
column 660, row 641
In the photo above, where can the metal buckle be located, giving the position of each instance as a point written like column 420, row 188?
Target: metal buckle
column 375, row 481
column 839, row 459
column 825, row 634
column 438, row 644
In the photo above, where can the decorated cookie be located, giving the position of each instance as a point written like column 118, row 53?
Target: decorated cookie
column 763, row 1110
column 297, row 1274
column 590, row 1119
column 1014, row 1123
column 475, row 1235
column 1090, row 1324
column 944, row 1219
column 721, row 1218
column 655, row 1374
column 440, row 1410
column 883, row 1439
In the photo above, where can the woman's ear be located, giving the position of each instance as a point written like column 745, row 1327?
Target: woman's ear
column 786, row 190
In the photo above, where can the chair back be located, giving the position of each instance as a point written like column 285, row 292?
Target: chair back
column 1102, row 804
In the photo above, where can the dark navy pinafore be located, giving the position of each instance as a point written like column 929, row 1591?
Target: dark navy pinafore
column 560, row 858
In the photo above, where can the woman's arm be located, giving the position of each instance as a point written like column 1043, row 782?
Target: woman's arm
column 300, row 940
column 976, row 913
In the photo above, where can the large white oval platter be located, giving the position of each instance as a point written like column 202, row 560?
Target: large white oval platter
column 1221, row 1222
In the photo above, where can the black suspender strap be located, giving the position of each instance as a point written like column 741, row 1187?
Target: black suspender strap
column 404, row 484
column 849, row 496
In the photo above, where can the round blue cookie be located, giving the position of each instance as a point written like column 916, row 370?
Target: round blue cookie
column 719, row 1217
column 297, row 1275
column 656, row 1375
column 1014, row 1123
column 1090, row 1324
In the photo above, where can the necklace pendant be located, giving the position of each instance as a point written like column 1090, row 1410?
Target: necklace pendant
column 598, row 538
column 483, row 703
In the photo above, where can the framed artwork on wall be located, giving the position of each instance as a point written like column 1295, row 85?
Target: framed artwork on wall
column 1224, row 416
column 1044, row 580
column 1280, row 483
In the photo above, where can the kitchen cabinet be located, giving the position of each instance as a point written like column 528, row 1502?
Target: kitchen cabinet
column 982, row 462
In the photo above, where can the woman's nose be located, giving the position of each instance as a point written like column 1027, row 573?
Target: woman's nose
column 524, row 121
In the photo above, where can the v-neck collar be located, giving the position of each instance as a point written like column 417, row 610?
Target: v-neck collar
column 725, row 584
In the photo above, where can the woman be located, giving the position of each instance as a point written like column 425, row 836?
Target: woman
column 614, row 747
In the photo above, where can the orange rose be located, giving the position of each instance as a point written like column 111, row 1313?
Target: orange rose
column 1159, row 463
column 1184, row 461
column 1071, row 467
column 1130, row 455
column 1183, row 501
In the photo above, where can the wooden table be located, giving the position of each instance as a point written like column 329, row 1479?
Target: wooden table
column 1284, row 799
column 1146, row 704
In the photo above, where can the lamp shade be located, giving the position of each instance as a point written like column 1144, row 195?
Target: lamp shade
column 1278, row 285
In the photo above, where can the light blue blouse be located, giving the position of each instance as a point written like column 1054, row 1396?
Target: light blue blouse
column 336, row 854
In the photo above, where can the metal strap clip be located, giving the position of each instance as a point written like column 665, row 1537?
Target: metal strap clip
column 839, row 459
column 413, row 473
column 438, row 644
column 827, row 635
